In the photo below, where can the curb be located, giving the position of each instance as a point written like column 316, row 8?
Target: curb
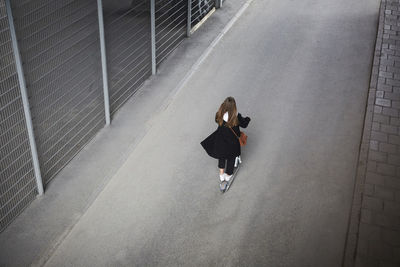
column 350, row 250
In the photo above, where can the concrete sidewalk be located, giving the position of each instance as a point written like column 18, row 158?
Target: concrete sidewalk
column 34, row 235
column 301, row 71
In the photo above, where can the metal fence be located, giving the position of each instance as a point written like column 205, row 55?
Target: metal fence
column 53, row 98
column 17, row 178
column 127, row 35
column 171, row 22
column 199, row 9
column 59, row 46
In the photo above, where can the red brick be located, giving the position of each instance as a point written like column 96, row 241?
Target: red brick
column 386, row 169
column 370, row 232
column 396, row 104
column 387, row 264
column 376, row 126
column 383, row 102
column 374, row 178
column 371, row 166
column 372, row 203
column 365, row 261
column 394, row 159
column 381, row 118
column 390, row 112
column 396, row 90
column 392, row 207
column 396, row 252
column 380, row 250
column 385, row 87
column 391, row 81
column 378, row 110
column 397, row 196
column 394, row 139
column 374, row 145
column 369, row 189
column 380, row 94
column 388, row 62
column 379, row 136
column 392, row 96
column 391, row 237
column 362, row 246
column 385, row 147
column 366, row 216
column 389, row 129
column 385, row 220
column 377, row 156
column 384, row 192
column 395, row 121
column 392, row 181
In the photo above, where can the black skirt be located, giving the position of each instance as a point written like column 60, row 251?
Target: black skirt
column 223, row 143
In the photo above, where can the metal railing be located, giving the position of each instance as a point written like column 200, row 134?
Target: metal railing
column 127, row 35
column 17, row 177
column 65, row 66
column 65, row 102
column 199, row 9
column 170, row 26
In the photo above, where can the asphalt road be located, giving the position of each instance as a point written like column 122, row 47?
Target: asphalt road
column 300, row 70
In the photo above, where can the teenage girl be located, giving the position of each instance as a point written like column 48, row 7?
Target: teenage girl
column 223, row 144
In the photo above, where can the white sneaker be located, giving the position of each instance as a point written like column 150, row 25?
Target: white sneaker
column 240, row 159
column 227, row 177
column 222, row 177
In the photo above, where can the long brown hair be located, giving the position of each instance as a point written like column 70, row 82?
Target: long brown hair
column 229, row 105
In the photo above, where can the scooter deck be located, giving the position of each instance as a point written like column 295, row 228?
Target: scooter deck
column 224, row 186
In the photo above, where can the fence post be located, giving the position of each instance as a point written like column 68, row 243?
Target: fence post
column 153, row 36
column 104, row 62
column 189, row 18
column 25, row 101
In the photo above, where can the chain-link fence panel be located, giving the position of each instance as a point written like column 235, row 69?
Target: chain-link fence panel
column 200, row 8
column 171, row 24
column 59, row 46
column 17, row 178
column 128, row 47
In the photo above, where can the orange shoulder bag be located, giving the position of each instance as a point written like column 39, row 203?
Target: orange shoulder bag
column 242, row 138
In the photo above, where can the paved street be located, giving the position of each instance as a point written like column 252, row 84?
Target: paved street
column 301, row 71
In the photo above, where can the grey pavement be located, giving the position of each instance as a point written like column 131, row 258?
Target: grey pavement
column 33, row 236
column 300, row 70
column 377, row 199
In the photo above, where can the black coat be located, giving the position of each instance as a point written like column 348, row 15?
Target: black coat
column 223, row 144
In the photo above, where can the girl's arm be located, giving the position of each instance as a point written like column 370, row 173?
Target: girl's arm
column 243, row 122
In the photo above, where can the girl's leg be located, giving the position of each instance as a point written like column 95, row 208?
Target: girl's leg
column 221, row 166
column 229, row 166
